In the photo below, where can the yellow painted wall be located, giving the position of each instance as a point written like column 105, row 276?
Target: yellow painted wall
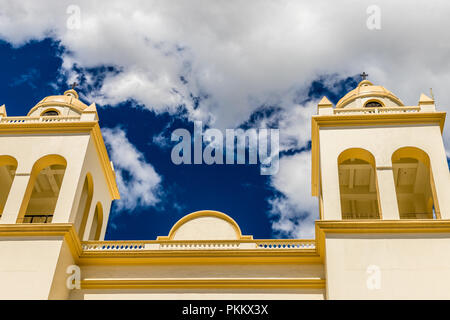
column 27, row 267
column 412, row 266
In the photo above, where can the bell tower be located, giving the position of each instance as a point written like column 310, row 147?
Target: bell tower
column 375, row 158
column 56, row 189
column 380, row 171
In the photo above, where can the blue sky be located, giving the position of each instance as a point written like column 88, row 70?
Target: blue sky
column 152, row 68
column 241, row 191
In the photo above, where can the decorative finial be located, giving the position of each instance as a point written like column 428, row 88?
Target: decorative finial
column 71, row 92
column 74, row 85
column 364, row 75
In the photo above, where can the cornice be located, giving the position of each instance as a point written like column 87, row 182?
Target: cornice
column 204, row 283
column 361, row 227
column 196, row 256
column 64, row 231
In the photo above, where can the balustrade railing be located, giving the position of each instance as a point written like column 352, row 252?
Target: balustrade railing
column 198, row 245
column 44, row 119
column 112, row 245
column 38, row 218
column 379, row 110
column 285, row 244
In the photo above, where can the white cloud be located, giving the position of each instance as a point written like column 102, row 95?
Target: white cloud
column 239, row 55
column 162, row 141
column 138, row 182
column 295, row 126
column 295, row 211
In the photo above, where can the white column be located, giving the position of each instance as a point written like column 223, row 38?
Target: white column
column 387, row 193
column 330, row 191
column 15, row 198
column 441, row 175
column 66, row 197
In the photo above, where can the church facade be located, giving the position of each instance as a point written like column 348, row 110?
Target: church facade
column 379, row 172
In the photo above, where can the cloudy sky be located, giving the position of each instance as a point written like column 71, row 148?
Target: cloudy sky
column 154, row 66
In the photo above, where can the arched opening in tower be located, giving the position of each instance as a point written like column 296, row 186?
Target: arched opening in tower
column 42, row 203
column 357, row 185
column 8, row 166
column 414, row 184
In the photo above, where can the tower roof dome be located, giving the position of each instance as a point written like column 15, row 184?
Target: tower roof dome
column 68, row 99
column 366, row 91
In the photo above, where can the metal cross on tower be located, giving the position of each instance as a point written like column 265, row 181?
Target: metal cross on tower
column 364, row 75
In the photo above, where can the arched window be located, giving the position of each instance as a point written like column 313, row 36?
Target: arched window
column 97, row 222
column 8, row 166
column 414, row 185
column 84, row 205
column 42, row 192
column 50, row 113
column 373, row 104
column 358, row 185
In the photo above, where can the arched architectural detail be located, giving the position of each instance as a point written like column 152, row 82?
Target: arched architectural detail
column 8, row 166
column 48, row 110
column 97, row 222
column 376, row 101
column 205, row 225
column 42, row 191
column 84, row 205
column 414, row 184
column 366, row 91
column 8, row 160
column 358, row 185
column 67, row 103
column 356, row 153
